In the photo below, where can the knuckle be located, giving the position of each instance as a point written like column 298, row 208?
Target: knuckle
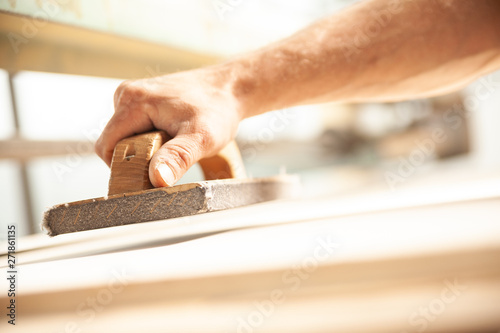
column 181, row 157
column 129, row 91
column 120, row 89
column 205, row 140
column 186, row 158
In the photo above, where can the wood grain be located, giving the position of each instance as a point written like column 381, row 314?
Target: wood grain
column 130, row 163
column 226, row 164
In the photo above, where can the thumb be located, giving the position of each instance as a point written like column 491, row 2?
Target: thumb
column 174, row 158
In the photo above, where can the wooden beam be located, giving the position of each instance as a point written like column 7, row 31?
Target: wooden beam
column 61, row 48
column 23, row 150
column 39, row 248
column 383, row 268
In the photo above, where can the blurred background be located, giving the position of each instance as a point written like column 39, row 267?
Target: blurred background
column 62, row 60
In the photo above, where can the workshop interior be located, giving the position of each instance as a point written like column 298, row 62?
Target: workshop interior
column 395, row 226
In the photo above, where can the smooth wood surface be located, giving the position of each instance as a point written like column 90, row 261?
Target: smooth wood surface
column 36, row 248
column 381, row 269
column 394, row 253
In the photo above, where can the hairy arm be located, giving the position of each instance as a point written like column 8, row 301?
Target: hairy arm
column 377, row 50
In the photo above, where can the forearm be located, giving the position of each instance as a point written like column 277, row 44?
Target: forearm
column 373, row 51
column 414, row 49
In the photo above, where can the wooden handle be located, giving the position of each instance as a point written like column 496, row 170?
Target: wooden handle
column 226, row 164
column 131, row 157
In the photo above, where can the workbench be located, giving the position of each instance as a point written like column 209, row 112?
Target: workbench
column 417, row 259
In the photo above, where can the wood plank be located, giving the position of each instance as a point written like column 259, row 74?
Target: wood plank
column 378, row 270
column 88, row 52
column 24, row 150
column 42, row 248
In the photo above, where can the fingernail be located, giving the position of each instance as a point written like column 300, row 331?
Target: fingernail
column 166, row 174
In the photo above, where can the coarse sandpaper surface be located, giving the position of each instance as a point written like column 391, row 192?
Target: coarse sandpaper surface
column 165, row 203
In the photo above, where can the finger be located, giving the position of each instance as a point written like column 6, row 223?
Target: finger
column 117, row 95
column 174, row 158
column 121, row 125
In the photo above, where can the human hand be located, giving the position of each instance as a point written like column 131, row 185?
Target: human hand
column 196, row 108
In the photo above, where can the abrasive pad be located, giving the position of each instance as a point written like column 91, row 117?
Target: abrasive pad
column 132, row 199
column 166, row 202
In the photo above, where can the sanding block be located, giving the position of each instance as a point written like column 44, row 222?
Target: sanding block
column 133, row 199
